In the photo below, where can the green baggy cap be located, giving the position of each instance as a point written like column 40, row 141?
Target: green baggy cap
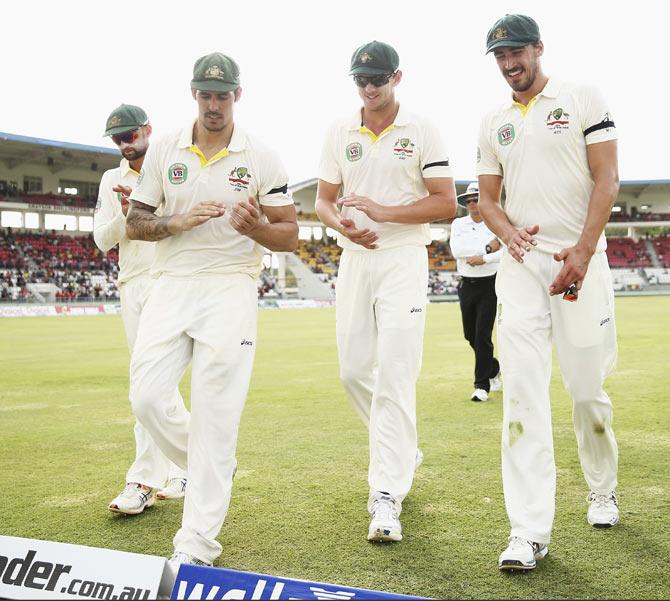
column 215, row 72
column 126, row 117
column 374, row 58
column 513, row 31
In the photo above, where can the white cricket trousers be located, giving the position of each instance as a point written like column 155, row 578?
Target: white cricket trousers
column 380, row 317
column 585, row 338
column 150, row 467
column 209, row 321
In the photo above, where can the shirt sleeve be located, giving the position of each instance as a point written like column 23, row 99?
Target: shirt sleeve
column 487, row 160
column 273, row 186
column 435, row 160
column 329, row 167
column 109, row 223
column 596, row 120
column 493, row 257
column 149, row 189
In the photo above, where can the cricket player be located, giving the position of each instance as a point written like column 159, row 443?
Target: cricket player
column 553, row 145
column 389, row 172
column 477, row 252
column 224, row 196
column 130, row 130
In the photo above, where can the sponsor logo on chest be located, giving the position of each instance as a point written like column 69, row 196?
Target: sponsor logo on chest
column 558, row 120
column 403, row 148
column 506, row 134
column 239, row 178
column 354, row 152
column 177, row 173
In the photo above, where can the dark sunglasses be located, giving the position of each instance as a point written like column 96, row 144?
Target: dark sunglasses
column 127, row 137
column 376, row 80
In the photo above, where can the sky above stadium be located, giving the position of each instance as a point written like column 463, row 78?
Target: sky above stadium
column 67, row 64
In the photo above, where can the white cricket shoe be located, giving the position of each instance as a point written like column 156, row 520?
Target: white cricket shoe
column 179, row 558
column 418, row 459
column 521, row 554
column 134, row 499
column 174, row 489
column 479, row 395
column 385, row 524
column 495, row 383
column 603, row 510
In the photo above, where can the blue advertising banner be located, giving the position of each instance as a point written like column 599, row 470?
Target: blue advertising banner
column 197, row 582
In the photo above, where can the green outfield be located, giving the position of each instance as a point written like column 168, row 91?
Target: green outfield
column 299, row 499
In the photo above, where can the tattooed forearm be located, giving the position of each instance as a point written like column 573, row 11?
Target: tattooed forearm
column 142, row 224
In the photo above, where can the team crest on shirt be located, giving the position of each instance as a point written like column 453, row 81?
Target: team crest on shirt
column 558, row 120
column 177, row 173
column 354, row 152
column 403, row 148
column 239, row 178
column 506, row 134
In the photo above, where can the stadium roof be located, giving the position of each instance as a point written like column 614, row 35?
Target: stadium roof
column 55, row 155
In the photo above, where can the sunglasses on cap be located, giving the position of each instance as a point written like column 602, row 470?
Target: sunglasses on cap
column 127, row 137
column 376, row 80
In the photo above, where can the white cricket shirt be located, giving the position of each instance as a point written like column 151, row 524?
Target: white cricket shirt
column 540, row 151
column 176, row 176
column 109, row 225
column 389, row 169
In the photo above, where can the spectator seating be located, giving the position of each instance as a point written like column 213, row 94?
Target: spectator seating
column 321, row 256
column 440, row 257
column 627, row 279
column 624, row 252
column 81, row 272
column 662, row 248
column 657, row 275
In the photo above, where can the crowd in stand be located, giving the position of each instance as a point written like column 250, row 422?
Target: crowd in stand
column 73, row 264
column 80, row 272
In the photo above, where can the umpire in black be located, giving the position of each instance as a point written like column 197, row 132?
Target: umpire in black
column 477, row 253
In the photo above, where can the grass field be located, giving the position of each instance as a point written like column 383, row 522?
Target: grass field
column 299, row 499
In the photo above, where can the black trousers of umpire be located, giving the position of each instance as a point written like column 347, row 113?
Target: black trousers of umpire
column 478, row 301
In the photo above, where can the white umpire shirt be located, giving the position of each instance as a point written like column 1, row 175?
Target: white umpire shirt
column 469, row 239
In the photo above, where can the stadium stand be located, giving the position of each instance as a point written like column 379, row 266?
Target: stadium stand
column 72, row 263
column 80, row 272
column 662, row 248
column 440, row 257
column 321, row 256
column 625, row 252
